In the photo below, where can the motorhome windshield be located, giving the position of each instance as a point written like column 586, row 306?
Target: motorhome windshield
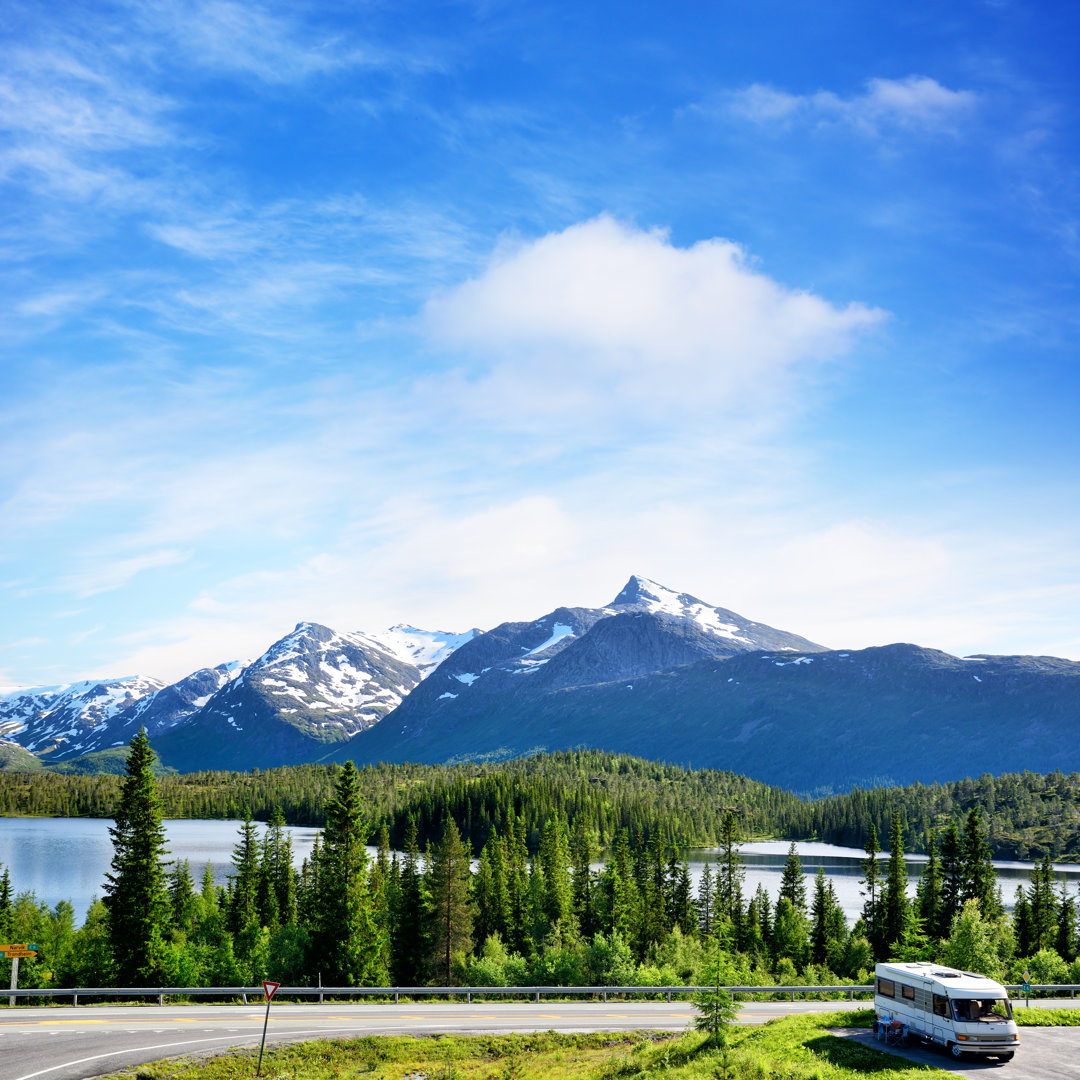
column 987, row 1010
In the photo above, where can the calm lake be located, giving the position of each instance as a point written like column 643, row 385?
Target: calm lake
column 67, row 859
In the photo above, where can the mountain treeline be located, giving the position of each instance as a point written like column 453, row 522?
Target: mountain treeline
column 520, row 918
column 1027, row 815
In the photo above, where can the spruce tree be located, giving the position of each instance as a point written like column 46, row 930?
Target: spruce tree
column 450, row 913
column 730, row 873
column 136, row 896
column 895, row 905
column 348, row 935
column 1067, row 925
column 184, row 903
column 928, row 890
column 706, row 902
column 952, row 882
column 1043, row 906
column 410, row 942
column 872, row 882
column 792, row 881
column 819, row 919
column 244, row 891
column 979, row 876
column 581, row 858
column 554, row 856
column 5, row 905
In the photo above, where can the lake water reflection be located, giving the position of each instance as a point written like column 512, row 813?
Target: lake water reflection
column 68, row 858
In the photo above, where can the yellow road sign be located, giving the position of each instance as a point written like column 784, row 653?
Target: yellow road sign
column 20, row 951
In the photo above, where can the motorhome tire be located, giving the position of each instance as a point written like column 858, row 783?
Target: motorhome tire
column 1005, row 1057
column 956, row 1050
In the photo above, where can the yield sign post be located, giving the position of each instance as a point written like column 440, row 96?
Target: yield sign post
column 269, row 989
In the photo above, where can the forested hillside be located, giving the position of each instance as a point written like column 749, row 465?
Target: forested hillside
column 1027, row 814
column 543, row 917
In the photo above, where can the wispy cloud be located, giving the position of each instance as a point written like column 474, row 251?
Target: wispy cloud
column 105, row 576
column 916, row 103
column 274, row 47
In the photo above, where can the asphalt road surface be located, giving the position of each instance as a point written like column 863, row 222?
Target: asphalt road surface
column 1044, row 1054
column 72, row 1044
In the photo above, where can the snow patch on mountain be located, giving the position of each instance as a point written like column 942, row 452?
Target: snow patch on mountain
column 425, row 649
column 649, row 595
column 558, row 632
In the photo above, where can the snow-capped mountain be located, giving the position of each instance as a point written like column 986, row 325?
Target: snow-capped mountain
column 72, row 719
column 325, row 684
column 312, row 689
column 62, row 722
column 646, row 628
column 656, row 673
column 164, row 709
column 641, row 594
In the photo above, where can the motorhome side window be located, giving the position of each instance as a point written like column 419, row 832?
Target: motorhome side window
column 886, row 988
column 907, row 992
column 941, row 1005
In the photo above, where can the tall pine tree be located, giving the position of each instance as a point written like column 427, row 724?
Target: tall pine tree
column 136, row 895
column 895, row 905
column 350, row 941
column 450, row 914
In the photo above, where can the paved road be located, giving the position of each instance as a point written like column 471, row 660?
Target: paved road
column 72, row 1044
column 1044, row 1054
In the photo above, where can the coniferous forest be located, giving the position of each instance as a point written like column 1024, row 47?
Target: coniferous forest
column 1026, row 815
column 535, row 910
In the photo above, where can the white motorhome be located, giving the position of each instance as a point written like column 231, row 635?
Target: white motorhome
column 964, row 1012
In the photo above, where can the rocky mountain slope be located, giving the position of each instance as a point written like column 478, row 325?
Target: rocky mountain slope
column 512, row 668
column 655, row 673
column 810, row 722
column 311, row 689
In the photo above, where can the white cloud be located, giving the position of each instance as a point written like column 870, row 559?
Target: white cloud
column 604, row 321
column 915, row 103
column 55, row 98
column 105, row 576
column 252, row 39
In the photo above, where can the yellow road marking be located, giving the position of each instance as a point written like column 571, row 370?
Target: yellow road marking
column 40, row 1023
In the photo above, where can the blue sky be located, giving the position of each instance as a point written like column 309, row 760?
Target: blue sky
column 451, row 313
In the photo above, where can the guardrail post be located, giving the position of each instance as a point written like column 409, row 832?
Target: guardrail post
column 395, row 997
column 161, row 1000
column 537, row 997
column 468, row 997
column 669, row 997
column 75, row 999
column 244, row 996
column 605, row 997
column 792, row 995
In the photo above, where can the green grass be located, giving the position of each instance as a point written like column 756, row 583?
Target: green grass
column 792, row 1048
column 1036, row 1017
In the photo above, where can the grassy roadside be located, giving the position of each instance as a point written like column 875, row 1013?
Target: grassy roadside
column 1036, row 1017
column 792, row 1048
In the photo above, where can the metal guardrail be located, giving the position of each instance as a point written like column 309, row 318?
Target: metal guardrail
column 398, row 992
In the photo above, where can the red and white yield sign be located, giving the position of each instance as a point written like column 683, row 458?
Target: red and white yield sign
column 270, row 989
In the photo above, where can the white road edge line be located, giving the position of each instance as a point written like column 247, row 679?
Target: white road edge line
column 166, row 1046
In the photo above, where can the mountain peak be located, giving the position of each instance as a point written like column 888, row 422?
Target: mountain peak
column 643, row 591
